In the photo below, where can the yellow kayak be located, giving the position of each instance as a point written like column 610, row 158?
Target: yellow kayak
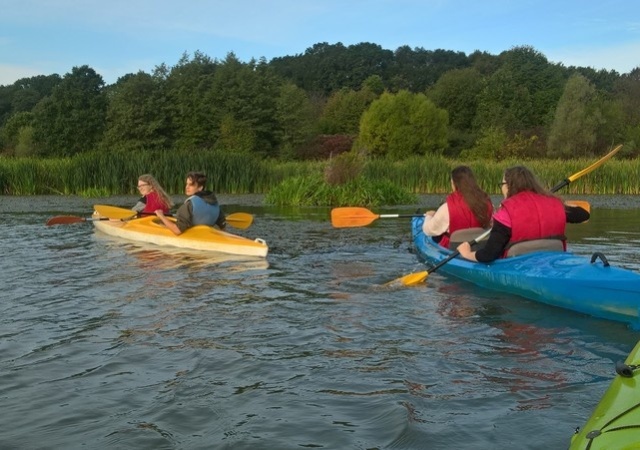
column 615, row 423
column 201, row 237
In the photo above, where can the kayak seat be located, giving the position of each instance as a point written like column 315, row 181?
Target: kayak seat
column 535, row 245
column 466, row 235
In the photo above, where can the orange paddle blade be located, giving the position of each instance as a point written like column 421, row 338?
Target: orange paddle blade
column 352, row 217
column 64, row 220
column 581, row 203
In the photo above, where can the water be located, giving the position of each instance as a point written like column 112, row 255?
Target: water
column 106, row 344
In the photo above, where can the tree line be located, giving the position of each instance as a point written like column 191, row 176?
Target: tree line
column 328, row 100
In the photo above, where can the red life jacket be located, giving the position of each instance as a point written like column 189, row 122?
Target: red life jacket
column 460, row 216
column 154, row 202
column 534, row 216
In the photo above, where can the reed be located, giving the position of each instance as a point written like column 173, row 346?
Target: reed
column 316, row 191
column 115, row 173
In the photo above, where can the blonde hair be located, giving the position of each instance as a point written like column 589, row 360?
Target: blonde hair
column 147, row 178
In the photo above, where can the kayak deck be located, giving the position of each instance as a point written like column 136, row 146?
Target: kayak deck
column 200, row 237
column 615, row 422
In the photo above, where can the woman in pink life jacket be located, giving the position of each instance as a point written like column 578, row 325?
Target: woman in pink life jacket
column 529, row 212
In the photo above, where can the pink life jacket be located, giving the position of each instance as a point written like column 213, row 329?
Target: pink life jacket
column 535, row 216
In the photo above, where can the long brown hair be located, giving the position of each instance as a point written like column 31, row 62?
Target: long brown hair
column 465, row 182
column 520, row 179
column 146, row 178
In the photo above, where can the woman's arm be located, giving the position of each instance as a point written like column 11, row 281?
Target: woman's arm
column 496, row 243
column 436, row 223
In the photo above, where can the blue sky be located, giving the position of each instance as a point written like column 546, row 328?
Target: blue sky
column 116, row 37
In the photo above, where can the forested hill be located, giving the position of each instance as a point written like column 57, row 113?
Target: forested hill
column 329, row 99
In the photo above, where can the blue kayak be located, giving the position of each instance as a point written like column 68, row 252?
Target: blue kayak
column 586, row 285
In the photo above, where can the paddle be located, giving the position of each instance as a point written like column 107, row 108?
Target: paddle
column 355, row 216
column 359, row 217
column 419, row 277
column 238, row 220
column 66, row 220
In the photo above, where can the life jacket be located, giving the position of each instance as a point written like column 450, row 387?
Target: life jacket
column 460, row 216
column 535, row 216
column 154, row 202
column 203, row 213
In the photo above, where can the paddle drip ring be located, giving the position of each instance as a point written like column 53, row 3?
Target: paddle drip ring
column 597, row 255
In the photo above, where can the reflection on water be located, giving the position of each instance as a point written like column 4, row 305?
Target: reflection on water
column 113, row 344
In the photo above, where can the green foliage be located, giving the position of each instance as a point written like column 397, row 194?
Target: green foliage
column 235, row 136
column 344, row 110
column 288, row 107
column 457, row 92
column 10, row 133
column 488, row 146
column 573, row 132
column 72, row 119
column 314, row 191
column 401, row 125
column 382, row 181
column 24, row 142
column 296, row 118
column 137, row 117
column 344, row 168
column 419, row 174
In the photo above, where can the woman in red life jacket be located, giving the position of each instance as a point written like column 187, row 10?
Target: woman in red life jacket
column 153, row 196
column 467, row 206
column 529, row 212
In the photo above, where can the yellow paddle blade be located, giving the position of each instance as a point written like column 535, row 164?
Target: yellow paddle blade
column 113, row 212
column 409, row 280
column 240, row 220
column 595, row 165
column 347, row 217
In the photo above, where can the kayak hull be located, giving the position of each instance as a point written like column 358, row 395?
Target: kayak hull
column 615, row 422
column 555, row 278
column 201, row 237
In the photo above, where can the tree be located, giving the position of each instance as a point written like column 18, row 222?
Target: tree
column 403, row 124
column 247, row 92
column 10, row 133
column 457, row 91
column 72, row 119
column 137, row 114
column 191, row 114
column 296, row 118
column 343, row 111
column 573, row 130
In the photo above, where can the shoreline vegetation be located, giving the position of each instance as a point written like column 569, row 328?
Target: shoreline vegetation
column 345, row 180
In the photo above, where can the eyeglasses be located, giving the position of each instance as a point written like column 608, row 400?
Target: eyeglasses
column 502, row 183
column 142, row 185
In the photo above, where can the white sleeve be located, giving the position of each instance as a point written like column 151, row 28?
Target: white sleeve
column 437, row 224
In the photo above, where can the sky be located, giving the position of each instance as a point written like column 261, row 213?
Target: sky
column 118, row 37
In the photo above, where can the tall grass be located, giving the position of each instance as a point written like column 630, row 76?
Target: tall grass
column 116, row 173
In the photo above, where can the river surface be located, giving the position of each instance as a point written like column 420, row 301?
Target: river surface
column 105, row 344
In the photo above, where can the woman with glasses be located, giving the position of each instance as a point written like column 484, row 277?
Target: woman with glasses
column 466, row 207
column 153, row 196
column 530, row 218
